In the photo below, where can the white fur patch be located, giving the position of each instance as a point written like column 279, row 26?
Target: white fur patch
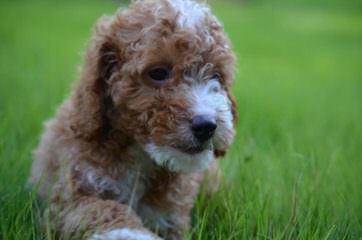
column 191, row 13
column 209, row 99
column 178, row 161
column 124, row 234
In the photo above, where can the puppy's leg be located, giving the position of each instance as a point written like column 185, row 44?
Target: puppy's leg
column 171, row 225
column 181, row 217
column 96, row 219
column 181, row 225
column 212, row 179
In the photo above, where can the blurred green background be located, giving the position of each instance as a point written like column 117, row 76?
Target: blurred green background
column 295, row 170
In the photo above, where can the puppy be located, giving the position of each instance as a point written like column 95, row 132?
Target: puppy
column 127, row 151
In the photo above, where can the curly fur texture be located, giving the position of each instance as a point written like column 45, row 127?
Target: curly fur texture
column 118, row 161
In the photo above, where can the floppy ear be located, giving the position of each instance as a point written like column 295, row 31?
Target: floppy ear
column 91, row 99
column 221, row 153
column 233, row 108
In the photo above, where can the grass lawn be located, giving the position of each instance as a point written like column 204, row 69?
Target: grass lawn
column 295, row 170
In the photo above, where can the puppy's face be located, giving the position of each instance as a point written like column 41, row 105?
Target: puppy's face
column 171, row 85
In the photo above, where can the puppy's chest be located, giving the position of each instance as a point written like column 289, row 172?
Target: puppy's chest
column 146, row 192
column 145, row 187
column 139, row 188
column 134, row 186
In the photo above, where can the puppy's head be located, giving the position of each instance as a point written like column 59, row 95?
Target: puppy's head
column 160, row 73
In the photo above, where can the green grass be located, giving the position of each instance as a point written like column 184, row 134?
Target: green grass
column 295, row 169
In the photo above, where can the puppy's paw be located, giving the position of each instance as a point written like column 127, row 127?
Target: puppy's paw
column 125, row 234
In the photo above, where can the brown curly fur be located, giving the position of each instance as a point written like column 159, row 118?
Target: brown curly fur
column 90, row 159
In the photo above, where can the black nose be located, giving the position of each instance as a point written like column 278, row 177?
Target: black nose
column 203, row 127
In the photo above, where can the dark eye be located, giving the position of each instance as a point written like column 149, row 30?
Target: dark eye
column 159, row 74
column 216, row 76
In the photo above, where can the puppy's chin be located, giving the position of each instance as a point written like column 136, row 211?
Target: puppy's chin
column 179, row 161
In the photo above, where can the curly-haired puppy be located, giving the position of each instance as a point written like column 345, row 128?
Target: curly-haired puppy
column 126, row 153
